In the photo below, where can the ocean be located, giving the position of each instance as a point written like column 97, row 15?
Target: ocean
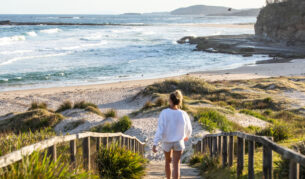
column 140, row 47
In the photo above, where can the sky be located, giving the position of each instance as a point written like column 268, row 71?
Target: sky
column 112, row 6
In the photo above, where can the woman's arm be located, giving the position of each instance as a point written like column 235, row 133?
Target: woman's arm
column 189, row 129
column 159, row 132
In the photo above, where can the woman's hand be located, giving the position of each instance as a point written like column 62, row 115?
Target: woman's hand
column 154, row 149
column 186, row 139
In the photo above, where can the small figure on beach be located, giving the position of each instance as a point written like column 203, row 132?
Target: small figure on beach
column 174, row 128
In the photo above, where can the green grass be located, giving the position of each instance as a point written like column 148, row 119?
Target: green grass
column 66, row 105
column 84, row 105
column 35, row 166
column 38, row 105
column 117, row 162
column 31, row 120
column 110, row 113
column 10, row 141
column 122, row 125
column 210, row 119
column 257, row 115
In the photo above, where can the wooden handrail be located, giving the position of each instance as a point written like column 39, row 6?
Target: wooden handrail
column 221, row 147
column 15, row 156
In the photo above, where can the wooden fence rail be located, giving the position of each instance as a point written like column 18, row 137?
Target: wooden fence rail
column 222, row 144
column 131, row 143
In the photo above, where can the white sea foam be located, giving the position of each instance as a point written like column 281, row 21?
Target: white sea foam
column 92, row 37
column 15, row 52
column 50, row 31
column 31, row 57
column 12, row 39
column 31, row 33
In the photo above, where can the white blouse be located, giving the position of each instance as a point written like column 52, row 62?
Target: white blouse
column 173, row 126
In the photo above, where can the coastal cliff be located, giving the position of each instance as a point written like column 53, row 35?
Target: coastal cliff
column 284, row 22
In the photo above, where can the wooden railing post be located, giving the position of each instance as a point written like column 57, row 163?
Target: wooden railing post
column 231, row 150
column 98, row 144
column 214, row 149
column 267, row 163
column 225, row 151
column 251, row 149
column 210, row 146
column 219, row 145
column 73, row 153
column 202, row 146
column 107, row 142
column 240, row 155
column 294, row 170
column 86, row 153
column 134, row 145
column 52, row 153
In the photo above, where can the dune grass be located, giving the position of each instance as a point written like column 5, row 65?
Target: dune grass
column 122, row 125
column 111, row 113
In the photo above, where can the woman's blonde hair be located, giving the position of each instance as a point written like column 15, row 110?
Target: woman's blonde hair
column 176, row 97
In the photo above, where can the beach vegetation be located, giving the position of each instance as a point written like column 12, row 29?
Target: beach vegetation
column 116, row 162
column 38, row 105
column 37, row 166
column 195, row 159
column 122, row 125
column 31, row 121
column 94, row 110
column 277, row 131
column 110, row 113
column 66, row 105
column 84, row 105
column 74, row 124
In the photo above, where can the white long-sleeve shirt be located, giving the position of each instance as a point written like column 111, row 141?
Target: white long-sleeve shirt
column 173, row 126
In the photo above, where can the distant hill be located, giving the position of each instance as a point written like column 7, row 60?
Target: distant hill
column 201, row 10
column 214, row 11
column 246, row 12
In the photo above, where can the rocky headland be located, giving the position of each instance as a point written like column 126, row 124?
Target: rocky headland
column 279, row 32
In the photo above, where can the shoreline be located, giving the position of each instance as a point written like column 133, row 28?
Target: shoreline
column 259, row 70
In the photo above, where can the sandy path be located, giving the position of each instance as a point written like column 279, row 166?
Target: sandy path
column 156, row 171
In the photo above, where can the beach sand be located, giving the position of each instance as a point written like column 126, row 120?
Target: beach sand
column 119, row 95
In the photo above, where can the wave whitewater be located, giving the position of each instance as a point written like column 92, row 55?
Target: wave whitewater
column 12, row 39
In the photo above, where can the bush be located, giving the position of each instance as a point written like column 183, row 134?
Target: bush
column 195, row 159
column 110, row 113
column 208, row 163
column 210, row 119
column 35, row 167
column 37, row 105
column 277, row 131
column 84, row 105
column 120, row 163
column 122, row 125
column 65, row 106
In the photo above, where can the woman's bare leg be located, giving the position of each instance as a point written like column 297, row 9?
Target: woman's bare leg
column 168, row 159
column 176, row 164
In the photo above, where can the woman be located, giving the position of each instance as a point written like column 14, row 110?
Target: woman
column 174, row 127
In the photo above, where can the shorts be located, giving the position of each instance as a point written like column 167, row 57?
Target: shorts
column 176, row 146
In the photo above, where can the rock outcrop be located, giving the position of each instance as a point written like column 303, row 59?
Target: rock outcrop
column 283, row 22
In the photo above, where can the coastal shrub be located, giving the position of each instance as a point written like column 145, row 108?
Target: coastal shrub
column 266, row 103
column 188, row 86
column 257, row 115
column 65, row 106
column 38, row 105
column 277, row 131
column 209, row 118
column 31, row 120
column 122, row 125
column 84, row 105
column 110, row 113
column 73, row 125
column 10, row 141
column 34, row 166
column 208, row 163
column 94, row 110
column 116, row 162
column 196, row 159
